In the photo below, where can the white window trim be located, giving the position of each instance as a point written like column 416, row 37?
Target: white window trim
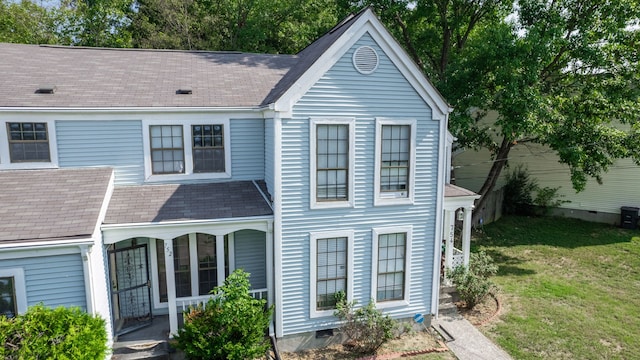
column 313, row 266
column 19, row 287
column 187, row 143
column 5, row 155
column 314, row 204
column 398, row 197
column 376, row 232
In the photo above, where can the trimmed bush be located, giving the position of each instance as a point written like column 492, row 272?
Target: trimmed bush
column 232, row 325
column 473, row 283
column 61, row 333
column 367, row 327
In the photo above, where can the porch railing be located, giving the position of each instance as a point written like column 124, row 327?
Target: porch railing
column 458, row 258
column 185, row 303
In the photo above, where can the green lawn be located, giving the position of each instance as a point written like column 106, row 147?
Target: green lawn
column 570, row 289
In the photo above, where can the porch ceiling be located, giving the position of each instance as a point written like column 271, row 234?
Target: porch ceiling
column 172, row 202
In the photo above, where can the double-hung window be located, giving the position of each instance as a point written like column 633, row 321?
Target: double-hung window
column 196, row 259
column 330, row 270
column 391, row 264
column 332, row 161
column 13, row 299
column 395, row 161
column 167, row 149
column 194, row 149
column 27, row 144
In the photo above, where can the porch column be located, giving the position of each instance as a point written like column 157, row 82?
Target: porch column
column 171, row 287
column 220, row 259
column 449, row 229
column 466, row 235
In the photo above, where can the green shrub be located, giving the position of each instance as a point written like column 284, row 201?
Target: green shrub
column 367, row 327
column 44, row 333
column 473, row 283
column 232, row 325
column 517, row 191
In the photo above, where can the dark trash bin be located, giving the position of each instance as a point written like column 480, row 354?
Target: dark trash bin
column 629, row 217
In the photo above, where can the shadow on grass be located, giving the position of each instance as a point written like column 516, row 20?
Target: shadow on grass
column 550, row 231
column 508, row 265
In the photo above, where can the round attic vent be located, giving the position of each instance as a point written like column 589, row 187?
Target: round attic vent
column 365, row 60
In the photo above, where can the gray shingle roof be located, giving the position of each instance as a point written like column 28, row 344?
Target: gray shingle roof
column 51, row 204
column 103, row 78
column 162, row 203
column 456, row 191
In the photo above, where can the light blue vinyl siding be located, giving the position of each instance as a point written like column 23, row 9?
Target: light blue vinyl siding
column 53, row 280
column 343, row 92
column 115, row 143
column 247, row 149
column 251, row 255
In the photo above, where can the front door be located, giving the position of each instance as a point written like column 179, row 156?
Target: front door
column 130, row 288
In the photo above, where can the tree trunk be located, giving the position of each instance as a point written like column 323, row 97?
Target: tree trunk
column 492, row 178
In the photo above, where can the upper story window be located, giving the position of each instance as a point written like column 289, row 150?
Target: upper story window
column 191, row 149
column 330, row 270
column 13, row 299
column 391, row 264
column 208, row 148
column 167, row 149
column 395, row 161
column 332, row 158
column 27, row 144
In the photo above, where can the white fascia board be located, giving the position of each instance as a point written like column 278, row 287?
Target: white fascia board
column 453, row 203
column 367, row 23
column 42, row 249
column 168, row 230
column 170, row 109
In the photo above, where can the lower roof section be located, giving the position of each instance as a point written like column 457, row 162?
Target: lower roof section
column 148, row 204
column 52, row 205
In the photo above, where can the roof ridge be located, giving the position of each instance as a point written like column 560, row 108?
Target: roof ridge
column 218, row 52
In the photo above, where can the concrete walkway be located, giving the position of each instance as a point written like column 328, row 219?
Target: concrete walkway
column 465, row 341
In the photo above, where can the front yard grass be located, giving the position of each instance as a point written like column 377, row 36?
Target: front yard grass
column 571, row 289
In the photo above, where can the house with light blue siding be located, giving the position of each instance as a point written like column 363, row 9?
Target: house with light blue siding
column 317, row 173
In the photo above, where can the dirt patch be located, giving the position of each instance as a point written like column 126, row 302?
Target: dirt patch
column 483, row 313
column 415, row 345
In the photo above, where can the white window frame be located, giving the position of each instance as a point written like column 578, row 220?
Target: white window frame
column 396, row 197
column 376, row 232
column 313, row 267
column 313, row 166
column 19, row 286
column 5, row 155
column 187, row 143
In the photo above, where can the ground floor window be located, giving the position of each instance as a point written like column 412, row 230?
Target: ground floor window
column 13, row 299
column 391, row 265
column 195, row 263
column 8, row 306
column 331, row 270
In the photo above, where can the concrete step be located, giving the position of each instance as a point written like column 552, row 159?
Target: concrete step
column 448, row 308
column 148, row 350
column 447, row 289
column 445, row 298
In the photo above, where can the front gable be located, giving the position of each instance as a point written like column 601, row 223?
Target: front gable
column 363, row 27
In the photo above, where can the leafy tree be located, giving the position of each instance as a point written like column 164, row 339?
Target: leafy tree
column 561, row 73
column 232, row 325
column 276, row 26
column 26, row 22
column 97, row 23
